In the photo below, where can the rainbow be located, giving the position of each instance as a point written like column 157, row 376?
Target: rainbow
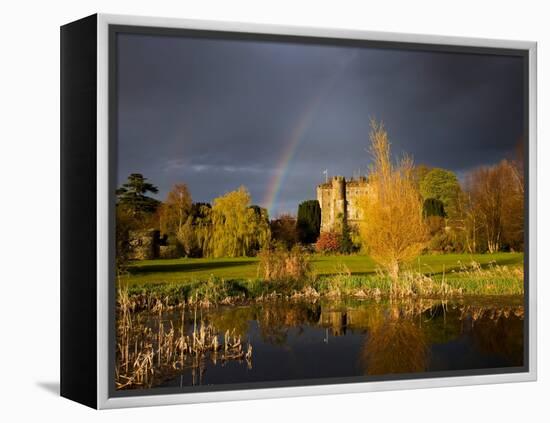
column 296, row 135
column 283, row 164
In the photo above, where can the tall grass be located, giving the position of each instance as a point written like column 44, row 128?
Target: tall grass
column 492, row 279
column 470, row 279
column 150, row 350
column 279, row 266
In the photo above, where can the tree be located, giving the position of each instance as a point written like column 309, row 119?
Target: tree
column 347, row 243
column 175, row 209
column 309, row 221
column 419, row 172
column 442, row 185
column 433, row 207
column 465, row 225
column 124, row 223
column 201, row 214
column 132, row 195
column 515, row 212
column 134, row 210
column 261, row 223
column 187, row 237
column 496, row 196
column 200, row 210
column 283, row 229
column 393, row 230
column 237, row 228
column 514, row 216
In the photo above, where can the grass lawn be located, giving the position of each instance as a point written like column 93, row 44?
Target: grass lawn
column 187, row 269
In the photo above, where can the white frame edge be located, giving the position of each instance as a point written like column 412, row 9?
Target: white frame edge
column 103, row 399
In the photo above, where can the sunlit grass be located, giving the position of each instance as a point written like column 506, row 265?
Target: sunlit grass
column 450, row 266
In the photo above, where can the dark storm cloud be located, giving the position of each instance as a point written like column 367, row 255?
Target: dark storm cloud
column 219, row 114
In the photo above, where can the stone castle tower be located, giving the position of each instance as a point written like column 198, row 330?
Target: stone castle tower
column 339, row 201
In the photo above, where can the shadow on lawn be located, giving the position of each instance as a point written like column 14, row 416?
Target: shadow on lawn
column 189, row 266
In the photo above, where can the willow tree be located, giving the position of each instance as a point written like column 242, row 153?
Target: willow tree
column 196, row 233
column 393, row 230
column 237, row 227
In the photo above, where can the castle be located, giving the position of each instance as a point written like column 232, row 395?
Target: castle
column 339, row 200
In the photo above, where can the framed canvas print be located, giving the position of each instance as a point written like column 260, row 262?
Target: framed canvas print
column 254, row 211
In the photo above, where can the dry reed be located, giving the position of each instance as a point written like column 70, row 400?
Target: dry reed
column 150, row 350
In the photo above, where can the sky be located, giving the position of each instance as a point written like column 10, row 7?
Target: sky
column 273, row 116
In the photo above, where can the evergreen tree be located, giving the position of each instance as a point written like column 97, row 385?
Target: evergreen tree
column 309, row 221
column 347, row 243
column 132, row 195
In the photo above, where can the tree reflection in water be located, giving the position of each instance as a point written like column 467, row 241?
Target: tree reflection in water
column 395, row 345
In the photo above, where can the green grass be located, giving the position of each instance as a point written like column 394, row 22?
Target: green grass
column 175, row 282
column 245, row 268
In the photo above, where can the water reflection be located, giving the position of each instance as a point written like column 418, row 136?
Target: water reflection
column 396, row 345
column 294, row 340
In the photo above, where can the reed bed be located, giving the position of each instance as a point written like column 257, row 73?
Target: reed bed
column 150, row 350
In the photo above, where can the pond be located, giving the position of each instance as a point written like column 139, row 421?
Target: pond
column 285, row 341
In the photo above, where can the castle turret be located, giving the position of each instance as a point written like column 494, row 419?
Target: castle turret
column 338, row 202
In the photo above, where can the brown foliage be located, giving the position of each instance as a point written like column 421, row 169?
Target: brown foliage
column 283, row 229
column 496, row 202
column 277, row 264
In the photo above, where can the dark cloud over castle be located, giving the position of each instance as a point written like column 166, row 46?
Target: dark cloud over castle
column 219, row 114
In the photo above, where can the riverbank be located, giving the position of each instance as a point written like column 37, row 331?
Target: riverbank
column 454, row 281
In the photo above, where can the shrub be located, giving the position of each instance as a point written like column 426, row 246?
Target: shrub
column 277, row 264
column 329, row 242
